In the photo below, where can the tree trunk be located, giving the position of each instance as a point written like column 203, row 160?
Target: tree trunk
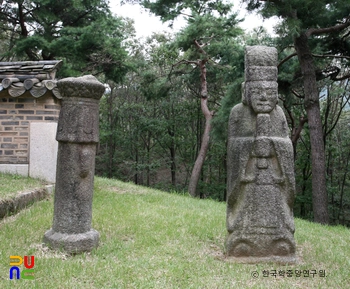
column 24, row 32
column 312, row 106
column 173, row 165
column 172, row 150
column 197, row 168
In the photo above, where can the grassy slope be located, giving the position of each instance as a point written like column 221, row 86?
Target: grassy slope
column 152, row 239
column 10, row 185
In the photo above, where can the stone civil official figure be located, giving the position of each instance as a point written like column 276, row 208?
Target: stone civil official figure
column 260, row 185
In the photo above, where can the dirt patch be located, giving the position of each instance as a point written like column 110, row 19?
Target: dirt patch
column 44, row 252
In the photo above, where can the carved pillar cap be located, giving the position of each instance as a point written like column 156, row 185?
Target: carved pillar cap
column 85, row 86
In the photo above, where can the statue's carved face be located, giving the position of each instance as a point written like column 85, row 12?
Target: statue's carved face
column 262, row 98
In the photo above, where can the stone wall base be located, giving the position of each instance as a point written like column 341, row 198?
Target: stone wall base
column 22, row 200
column 15, row 169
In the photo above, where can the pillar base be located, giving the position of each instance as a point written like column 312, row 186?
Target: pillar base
column 72, row 243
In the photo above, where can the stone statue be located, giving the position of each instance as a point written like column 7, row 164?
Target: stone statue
column 77, row 136
column 260, row 166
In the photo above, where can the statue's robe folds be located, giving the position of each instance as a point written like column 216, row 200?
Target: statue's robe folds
column 260, row 186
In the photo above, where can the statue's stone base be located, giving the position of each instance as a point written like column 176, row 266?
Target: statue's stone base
column 72, row 243
column 260, row 248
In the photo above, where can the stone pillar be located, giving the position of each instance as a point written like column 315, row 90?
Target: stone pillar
column 260, row 167
column 77, row 136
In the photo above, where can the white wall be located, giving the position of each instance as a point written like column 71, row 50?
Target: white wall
column 43, row 151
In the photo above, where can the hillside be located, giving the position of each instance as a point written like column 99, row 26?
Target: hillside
column 153, row 239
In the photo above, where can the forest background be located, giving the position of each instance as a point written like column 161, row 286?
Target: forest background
column 163, row 118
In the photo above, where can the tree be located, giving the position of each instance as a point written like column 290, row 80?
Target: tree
column 311, row 26
column 68, row 30
column 210, row 25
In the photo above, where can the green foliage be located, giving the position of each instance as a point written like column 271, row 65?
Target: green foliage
column 335, row 117
column 150, row 126
column 208, row 28
column 303, row 199
column 170, row 9
column 154, row 87
column 232, row 97
column 336, row 125
column 146, row 135
column 87, row 49
column 82, row 33
column 299, row 16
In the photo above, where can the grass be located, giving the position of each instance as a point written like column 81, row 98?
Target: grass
column 10, row 185
column 152, row 239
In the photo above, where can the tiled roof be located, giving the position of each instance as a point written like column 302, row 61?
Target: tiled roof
column 37, row 77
